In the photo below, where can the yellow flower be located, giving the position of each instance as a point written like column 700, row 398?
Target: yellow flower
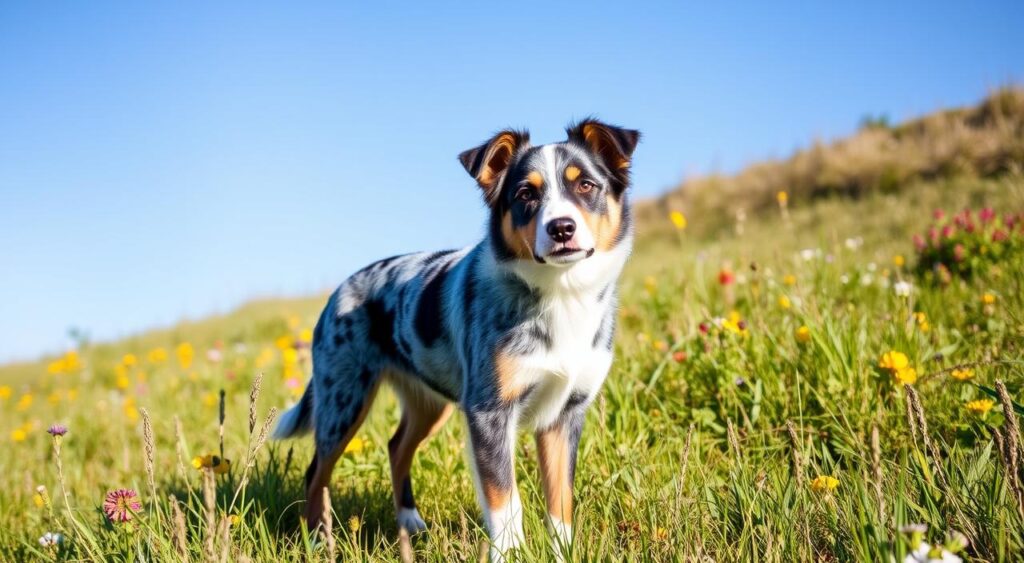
column 803, row 334
column 784, row 302
column 962, row 374
column 5, row 392
column 894, row 361
column 651, row 283
column 735, row 324
column 661, row 345
column 306, row 335
column 219, row 465
column 824, row 484
column 233, row 519
column 129, row 360
column 38, row 500
column 210, row 399
column 185, row 354
column 53, row 398
column 289, row 356
column 130, row 411
column 905, row 376
column 354, row 524
column 789, row 279
column 283, row 342
column 355, row 446
column 988, row 299
column 24, row 402
column 980, row 407
column 898, row 260
column 19, row 434
column 678, row 219
column 782, row 197
column 157, row 356
column 660, row 534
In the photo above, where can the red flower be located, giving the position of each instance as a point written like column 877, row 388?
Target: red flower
column 726, row 277
column 999, row 235
column 938, row 214
column 679, row 356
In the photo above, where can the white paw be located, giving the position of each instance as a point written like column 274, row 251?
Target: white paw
column 409, row 519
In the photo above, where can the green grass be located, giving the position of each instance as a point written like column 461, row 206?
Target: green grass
column 642, row 494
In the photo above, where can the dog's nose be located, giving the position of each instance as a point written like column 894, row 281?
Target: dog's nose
column 561, row 230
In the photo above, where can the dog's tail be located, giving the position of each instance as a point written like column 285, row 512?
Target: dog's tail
column 299, row 419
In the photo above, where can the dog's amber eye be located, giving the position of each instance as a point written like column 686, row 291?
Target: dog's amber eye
column 585, row 187
column 524, row 194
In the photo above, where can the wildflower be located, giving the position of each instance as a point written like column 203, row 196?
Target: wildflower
column 789, row 279
column 854, row 243
column 726, row 277
column 808, row 254
column 24, row 402
column 980, row 407
column 219, row 465
column 925, row 553
column 782, row 197
column 185, row 354
column 157, row 356
column 651, row 284
column 803, row 334
column 57, row 430
column 784, row 302
column 214, row 356
column 679, row 356
column 51, row 539
column 678, row 219
column 734, row 324
column 894, row 361
column 902, row 288
column 824, row 484
column 962, row 374
column 355, row 445
column 661, row 534
column 41, row 498
column 306, row 336
column 5, row 392
column 898, row 260
column 922, row 321
column 905, row 376
column 121, row 505
column 354, row 524
column 19, row 434
column 988, row 299
column 129, row 360
column 234, row 519
column 283, row 342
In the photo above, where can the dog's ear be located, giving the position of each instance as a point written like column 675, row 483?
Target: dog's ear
column 614, row 145
column 488, row 162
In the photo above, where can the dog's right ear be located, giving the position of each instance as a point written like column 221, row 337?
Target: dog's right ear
column 488, row 162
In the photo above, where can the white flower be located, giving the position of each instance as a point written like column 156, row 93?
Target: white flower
column 808, row 254
column 924, row 554
column 214, row 355
column 902, row 288
column 51, row 539
column 872, row 266
column 854, row 243
column 866, row 280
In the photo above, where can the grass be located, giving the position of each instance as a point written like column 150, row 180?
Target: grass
column 702, row 446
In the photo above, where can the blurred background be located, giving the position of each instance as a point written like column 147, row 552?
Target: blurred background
column 159, row 163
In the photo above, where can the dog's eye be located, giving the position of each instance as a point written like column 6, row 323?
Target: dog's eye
column 585, row 186
column 524, row 194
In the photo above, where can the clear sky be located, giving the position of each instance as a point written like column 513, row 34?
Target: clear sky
column 164, row 161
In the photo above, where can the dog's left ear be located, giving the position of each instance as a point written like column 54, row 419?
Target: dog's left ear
column 613, row 144
column 488, row 162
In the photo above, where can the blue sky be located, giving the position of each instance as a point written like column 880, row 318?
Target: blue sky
column 162, row 162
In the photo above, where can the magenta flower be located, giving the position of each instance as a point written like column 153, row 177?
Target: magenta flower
column 57, row 430
column 121, row 505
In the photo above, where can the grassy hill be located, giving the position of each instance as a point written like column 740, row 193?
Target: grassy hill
column 747, row 377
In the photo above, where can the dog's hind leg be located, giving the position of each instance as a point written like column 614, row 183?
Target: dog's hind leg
column 340, row 411
column 422, row 415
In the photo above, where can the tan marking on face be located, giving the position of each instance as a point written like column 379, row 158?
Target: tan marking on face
column 535, row 179
column 571, row 173
column 553, row 454
column 520, row 240
column 605, row 228
column 506, row 368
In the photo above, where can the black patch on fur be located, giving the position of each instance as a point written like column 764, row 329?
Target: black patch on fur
column 341, row 400
column 365, row 377
column 339, row 339
column 407, row 500
column 428, row 322
column 382, row 327
column 379, row 264
column 488, row 431
column 435, row 256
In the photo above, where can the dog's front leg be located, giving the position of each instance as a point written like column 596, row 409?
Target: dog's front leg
column 492, row 431
column 557, row 446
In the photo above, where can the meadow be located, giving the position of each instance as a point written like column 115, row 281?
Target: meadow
column 829, row 378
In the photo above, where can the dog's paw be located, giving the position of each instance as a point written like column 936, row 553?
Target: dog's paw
column 409, row 520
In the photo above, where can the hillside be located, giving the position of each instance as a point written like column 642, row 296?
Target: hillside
column 799, row 385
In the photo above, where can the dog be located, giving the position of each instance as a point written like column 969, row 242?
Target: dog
column 516, row 330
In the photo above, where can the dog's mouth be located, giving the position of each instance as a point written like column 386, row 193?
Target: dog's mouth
column 564, row 254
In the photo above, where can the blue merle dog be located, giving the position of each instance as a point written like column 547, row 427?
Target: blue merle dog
column 516, row 330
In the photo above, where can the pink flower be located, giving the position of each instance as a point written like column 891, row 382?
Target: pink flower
column 121, row 505
column 986, row 215
column 938, row 214
column 919, row 243
column 947, row 231
column 999, row 235
column 959, row 253
column 57, row 430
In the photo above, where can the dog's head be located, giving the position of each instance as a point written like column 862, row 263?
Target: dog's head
column 555, row 204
